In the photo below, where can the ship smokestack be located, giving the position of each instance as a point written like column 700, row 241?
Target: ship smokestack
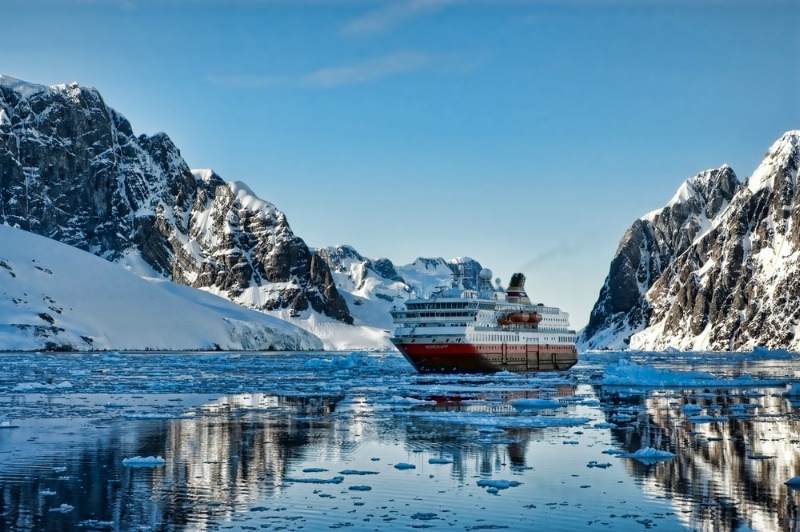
column 516, row 290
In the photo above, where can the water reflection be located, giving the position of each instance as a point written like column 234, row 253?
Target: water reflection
column 228, row 456
column 735, row 449
column 315, row 451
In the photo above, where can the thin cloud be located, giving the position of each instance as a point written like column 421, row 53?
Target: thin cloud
column 349, row 74
column 249, row 81
column 367, row 71
column 393, row 14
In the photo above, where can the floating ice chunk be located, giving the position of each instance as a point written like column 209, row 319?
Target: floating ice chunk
column 39, row 386
column 605, row 425
column 47, row 492
column 360, row 488
column 692, row 409
column 439, row 461
column 623, row 418
column 763, row 352
column 495, row 421
column 403, row 465
column 422, row 516
column 349, row 362
column 144, row 461
column 626, row 372
column 498, row 484
column 405, row 401
column 648, row 455
column 312, row 480
column 595, row 463
column 59, row 469
column 314, row 470
column 794, row 391
column 794, row 481
column 64, row 508
column 535, row 404
column 357, row 472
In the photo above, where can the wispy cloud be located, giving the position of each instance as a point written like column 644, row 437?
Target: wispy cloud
column 348, row 74
column 249, row 81
column 367, row 71
column 392, row 14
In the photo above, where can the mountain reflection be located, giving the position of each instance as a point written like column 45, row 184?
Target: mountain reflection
column 732, row 460
column 238, row 451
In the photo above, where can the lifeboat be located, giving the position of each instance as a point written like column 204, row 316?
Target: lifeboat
column 519, row 317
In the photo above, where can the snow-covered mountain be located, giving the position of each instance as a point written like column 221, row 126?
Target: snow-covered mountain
column 717, row 268
column 71, row 169
column 372, row 287
column 57, row 297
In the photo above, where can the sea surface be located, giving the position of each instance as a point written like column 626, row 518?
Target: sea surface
column 358, row 441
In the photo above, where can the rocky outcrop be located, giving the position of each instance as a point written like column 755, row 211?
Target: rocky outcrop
column 718, row 268
column 647, row 249
column 72, row 169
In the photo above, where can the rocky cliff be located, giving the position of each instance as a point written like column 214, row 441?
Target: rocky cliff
column 72, row 169
column 717, row 268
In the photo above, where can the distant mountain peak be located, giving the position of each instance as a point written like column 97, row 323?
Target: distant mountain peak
column 702, row 189
column 784, row 152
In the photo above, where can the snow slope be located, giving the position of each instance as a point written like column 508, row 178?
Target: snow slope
column 55, row 296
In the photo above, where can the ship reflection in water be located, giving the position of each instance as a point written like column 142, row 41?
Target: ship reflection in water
column 362, row 442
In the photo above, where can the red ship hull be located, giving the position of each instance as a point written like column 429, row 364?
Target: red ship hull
column 487, row 358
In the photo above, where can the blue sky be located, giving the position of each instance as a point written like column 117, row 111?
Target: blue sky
column 528, row 135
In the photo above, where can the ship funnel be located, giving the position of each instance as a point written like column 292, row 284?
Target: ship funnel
column 516, row 290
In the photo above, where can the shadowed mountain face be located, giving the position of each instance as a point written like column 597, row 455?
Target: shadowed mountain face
column 71, row 169
column 717, row 268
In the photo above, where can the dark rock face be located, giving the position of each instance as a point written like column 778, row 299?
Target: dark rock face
column 720, row 274
column 646, row 250
column 72, row 170
column 737, row 286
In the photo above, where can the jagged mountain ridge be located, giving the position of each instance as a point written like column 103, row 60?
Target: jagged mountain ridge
column 373, row 287
column 71, row 169
column 732, row 287
column 648, row 247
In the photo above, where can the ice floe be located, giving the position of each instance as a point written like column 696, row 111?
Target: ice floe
column 628, row 373
column 648, row 455
column 535, row 404
column 314, row 480
column 144, row 461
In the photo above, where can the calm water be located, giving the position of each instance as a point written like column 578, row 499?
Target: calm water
column 319, row 441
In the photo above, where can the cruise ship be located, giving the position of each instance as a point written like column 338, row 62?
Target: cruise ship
column 483, row 330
